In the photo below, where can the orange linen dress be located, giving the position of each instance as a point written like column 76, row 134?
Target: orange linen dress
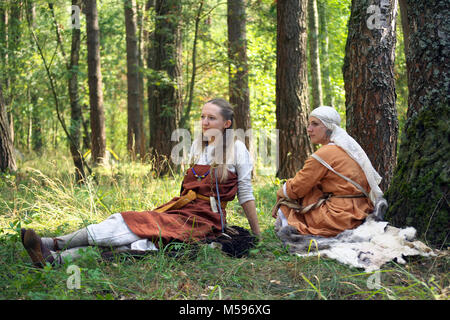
column 309, row 184
column 194, row 221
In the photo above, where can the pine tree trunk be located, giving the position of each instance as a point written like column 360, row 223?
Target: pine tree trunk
column 418, row 195
column 97, row 114
column 328, row 96
column 313, row 37
column 7, row 157
column 141, row 14
column 36, row 123
column 75, row 107
column 164, row 95
column 134, row 116
column 370, row 84
column 14, row 26
column 292, row 87
column 238, row 66
column 3, row 45
column 187, row 111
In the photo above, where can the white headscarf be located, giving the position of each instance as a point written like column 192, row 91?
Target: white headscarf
column 331, row 119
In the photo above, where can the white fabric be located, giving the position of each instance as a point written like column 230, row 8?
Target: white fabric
column 331, row 119
column 242, row 166
column 114, row 232
column 285, row 192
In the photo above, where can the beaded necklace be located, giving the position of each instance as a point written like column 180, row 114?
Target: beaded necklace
column 199, row 177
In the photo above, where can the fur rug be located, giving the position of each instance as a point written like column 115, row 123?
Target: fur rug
column 368, row 246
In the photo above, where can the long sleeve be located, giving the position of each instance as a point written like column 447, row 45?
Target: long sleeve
column 305, row 179
column 244, row 168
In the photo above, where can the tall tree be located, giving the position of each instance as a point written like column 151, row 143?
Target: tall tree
column 7, row 157
column 98, row 135
column 328, row 96
column 313, row 37
column 292, row 86
column 370, row 84
column 35, row 119
column 73, row 133
column 187, row 111
column 142, row 19
column 238, row 66
column 418, row 195
column 134, row 111
column 75, row 106
column 164, row 92
column 13, row 17
column 3, row 44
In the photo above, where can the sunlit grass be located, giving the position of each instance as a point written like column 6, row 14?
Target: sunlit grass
column 43, row 195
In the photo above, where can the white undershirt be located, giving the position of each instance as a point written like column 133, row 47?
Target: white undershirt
column 242, row 167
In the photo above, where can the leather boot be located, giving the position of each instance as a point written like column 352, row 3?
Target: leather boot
column 37, row 251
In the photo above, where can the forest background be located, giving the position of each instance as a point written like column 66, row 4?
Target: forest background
column 38, row 103
column 32, row 104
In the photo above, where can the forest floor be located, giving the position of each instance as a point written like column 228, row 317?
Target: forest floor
column 41, row 196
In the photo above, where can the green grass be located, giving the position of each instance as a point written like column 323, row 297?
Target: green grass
column 41, row 195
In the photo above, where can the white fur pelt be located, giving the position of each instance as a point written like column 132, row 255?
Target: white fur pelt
column 368, row 246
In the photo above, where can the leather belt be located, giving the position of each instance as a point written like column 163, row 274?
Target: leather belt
column 190, row 196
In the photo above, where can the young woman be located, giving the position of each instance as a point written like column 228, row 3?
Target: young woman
column 337, row 187
column 221, row 168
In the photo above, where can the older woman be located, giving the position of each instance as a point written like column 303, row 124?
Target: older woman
column 337, row 187
column 221, row 169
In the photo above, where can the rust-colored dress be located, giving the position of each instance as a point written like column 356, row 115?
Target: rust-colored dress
column 194, row 221
column 308, row 186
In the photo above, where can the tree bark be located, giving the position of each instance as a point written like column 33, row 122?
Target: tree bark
column 187, row 111
column 313, row 37
column 418, row 195
column 370, row 84
column 14, row 24
column 4, row 45
column 35, row 117
column 134, row 114
column 75, row 107
column 97, row 114
column 328, row 95
column 292, row 87
column 164, row 93
column 238, row 65
column 7, row 157
column 142, row 39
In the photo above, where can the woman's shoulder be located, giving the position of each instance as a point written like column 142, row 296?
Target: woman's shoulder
column 330, row 151
column 238, row 144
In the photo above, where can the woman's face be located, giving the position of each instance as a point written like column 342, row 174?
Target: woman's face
column 212, row 120
column 317, row 131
